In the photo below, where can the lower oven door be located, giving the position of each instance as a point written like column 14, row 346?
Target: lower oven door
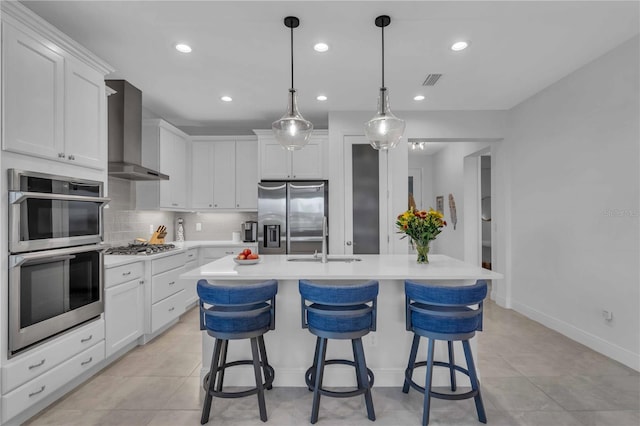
column 52, row 291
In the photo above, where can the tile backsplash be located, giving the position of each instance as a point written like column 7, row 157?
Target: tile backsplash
column 123, row 223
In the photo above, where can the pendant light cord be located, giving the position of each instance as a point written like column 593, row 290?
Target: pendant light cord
column 382, row 56
column 292, row 57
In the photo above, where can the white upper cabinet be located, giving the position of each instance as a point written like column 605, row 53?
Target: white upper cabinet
column 164, row 148
column 53, row 91
column 278, row 163
column 224, row 173
column 33, row 90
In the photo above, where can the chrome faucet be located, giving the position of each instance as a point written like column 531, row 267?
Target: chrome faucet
column 325, row 234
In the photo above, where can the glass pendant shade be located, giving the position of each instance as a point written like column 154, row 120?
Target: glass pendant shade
column 292, row 131
column 384, row 130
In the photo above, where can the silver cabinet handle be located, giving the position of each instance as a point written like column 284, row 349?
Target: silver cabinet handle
column 87, row 339
column 215, row 205
column 87, row 361
column 172, row 283
column 124, row 274
column 37, row 392
column 61, row 155
column 31, row 367
column 190, row 255
column 71, row 157
column 172, row 308
column 174, row 204
column 141, row 282
column 210, row 205
column 228, row 252
column 348, row 243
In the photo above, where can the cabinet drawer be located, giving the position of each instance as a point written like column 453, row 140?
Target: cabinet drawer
column 35, row 362
column 164, row 264
column 165, row 284
column 167, row 310
column 39, row 388
column 192, row 255
column 218, row 252
column 190, row 266
column 122, row 274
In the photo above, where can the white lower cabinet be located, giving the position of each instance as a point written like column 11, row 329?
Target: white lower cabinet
column 124, row 314
column 20, row 399
column 167, row 294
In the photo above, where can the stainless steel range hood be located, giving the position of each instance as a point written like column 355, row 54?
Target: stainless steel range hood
column 125, row 134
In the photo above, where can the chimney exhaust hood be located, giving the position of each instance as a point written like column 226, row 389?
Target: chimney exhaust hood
column 125, row 134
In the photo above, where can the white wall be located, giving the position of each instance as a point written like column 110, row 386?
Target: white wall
column 574, row 178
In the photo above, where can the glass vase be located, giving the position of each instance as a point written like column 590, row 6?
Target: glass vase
column 423, row 251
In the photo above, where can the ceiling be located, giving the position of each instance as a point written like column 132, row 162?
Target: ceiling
column 241, row 49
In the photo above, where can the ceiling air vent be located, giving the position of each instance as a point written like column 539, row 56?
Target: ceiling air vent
column 431, row 79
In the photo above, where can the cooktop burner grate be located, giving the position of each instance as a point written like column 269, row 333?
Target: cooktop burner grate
column 135, row 249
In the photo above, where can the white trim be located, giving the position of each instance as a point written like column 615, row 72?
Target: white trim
column 620, row 354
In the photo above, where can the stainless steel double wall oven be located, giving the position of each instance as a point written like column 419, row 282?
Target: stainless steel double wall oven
column 56, row 256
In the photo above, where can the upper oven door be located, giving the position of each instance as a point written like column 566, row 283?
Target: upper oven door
column 47, row 213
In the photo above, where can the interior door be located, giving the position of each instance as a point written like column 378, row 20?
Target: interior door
column 365, row 190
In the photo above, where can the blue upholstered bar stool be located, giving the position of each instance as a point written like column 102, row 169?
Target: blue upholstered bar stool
column 444, row 313
column 231, row 312
column 339, row 312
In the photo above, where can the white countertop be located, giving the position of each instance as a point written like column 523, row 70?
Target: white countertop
column 379, row 267
column 112, row 260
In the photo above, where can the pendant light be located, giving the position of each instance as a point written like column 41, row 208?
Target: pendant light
column 292, row 131
column 384, row 130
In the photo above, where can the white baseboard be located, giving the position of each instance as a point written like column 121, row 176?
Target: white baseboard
column 620, row 354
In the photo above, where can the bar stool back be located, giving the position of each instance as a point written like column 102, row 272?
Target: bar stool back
column 230, row 312
column 444, row 313
column 333, row 311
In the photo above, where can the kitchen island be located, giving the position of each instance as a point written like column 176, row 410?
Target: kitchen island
column 290, row 348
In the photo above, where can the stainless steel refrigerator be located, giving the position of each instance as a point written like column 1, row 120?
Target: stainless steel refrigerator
column 290, row 216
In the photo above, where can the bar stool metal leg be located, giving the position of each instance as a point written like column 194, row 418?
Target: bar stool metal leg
column 322, row 352
column 221, row 365
column 363, row 378
column 315, row 363
column 412, row 360
column 258, row 374
column 482, row 416
column 427, row 383
column 206, row 407
column 452, row 370
column 265, row 363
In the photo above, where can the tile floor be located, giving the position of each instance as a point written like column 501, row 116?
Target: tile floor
column 530, row 376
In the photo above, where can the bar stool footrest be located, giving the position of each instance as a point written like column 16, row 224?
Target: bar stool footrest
column 269, row 375
column 338, row 394
column 447, row 396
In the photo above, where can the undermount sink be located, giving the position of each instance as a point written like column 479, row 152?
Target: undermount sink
column 319, row 259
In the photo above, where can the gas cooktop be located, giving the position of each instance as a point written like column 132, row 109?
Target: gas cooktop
column 135, row 249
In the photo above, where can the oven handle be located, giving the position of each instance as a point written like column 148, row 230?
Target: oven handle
column 53, row 255
column 17, row 197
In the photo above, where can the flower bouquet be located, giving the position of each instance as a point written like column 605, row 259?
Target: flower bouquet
column 421, row 226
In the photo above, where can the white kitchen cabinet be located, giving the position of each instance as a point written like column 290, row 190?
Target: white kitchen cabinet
column 123, row 306
column 167, row 294
column 164, row 148
column 190, row 291
column 224, row 173
column 279, row 163
column 54, row 103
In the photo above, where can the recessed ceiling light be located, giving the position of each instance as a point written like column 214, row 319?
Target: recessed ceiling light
column 321, row 98
column 226, row 98
column 418, row 98
column 321, row 47
column 183, row 48
column 459, row 45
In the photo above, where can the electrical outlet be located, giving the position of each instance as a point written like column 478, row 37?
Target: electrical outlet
column 198, row 226
column 607, row 315
column 151, row 229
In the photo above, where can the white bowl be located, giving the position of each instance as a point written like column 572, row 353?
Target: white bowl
column 246, row 261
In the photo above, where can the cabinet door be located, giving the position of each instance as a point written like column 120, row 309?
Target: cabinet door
column 202, row 175
column 246, row 175
column 308, row 162
column 33, row 85
column 275, row 161
column 85, row 127
column 167, row 143
column 124, row 314
column 179, row 186
column 224, row 172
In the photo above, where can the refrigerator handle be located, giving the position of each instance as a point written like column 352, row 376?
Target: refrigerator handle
column 271, row 188
column 298, row 186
